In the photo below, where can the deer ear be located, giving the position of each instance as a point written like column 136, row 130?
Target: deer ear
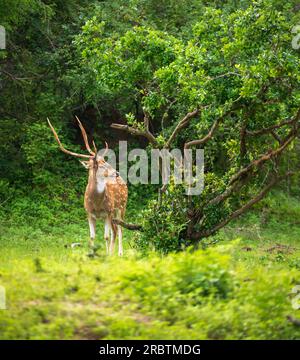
column 85, row 164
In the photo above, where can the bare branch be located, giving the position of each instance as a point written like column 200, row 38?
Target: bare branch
column 214, row 127
column 182, row 123
column 127, row 225
column 275, row 136
column 146, row 119
column 135, row 132
column 276, row 126
column 243, row 209
column 269, row 129
column 243, row 174
column 225, row 75
column 267, row 156
column 243, row 143
column 206, row 137
column 225, row 195
column 17, row 78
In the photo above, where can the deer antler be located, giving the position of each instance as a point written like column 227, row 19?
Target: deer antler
column 62, row 148
column 85, row 138
column 95, row 147
column 106, row 149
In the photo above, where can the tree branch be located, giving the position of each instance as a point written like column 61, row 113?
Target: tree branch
column 224, row 195
column 206, row 137
column 127, row 225
column 269, row 129
column 17, row 78
column 201, row 234
column 137, row 132
column 225, row 75
column 214, row 127
column 267, row 156
column 243, row 143
column 275, row 136
column 273, row 127
column 244, row 173
column 181, row 124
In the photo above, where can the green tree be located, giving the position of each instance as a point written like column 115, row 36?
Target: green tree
column 232, row 88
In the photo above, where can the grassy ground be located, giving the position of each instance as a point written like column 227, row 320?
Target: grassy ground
column 238, row 287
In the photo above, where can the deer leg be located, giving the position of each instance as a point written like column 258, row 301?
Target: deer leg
column 120, row 234
column 92, row 224
column 107, row 228
column 113, row 238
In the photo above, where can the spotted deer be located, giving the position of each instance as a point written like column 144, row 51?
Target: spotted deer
column 105, row 195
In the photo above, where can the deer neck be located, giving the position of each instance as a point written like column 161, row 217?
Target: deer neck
column 100, row 185
column 96, row 183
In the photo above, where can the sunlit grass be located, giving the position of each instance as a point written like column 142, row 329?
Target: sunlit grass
column 240, row 287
